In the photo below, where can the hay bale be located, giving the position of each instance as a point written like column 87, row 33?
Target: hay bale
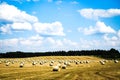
column 8, row 63
column 56, row 68
column 34, row 63
column 21, row 65
column 0, row 62
column 52, row 61
column 41, row 63
column 87, row 61
column 63, row 66
column 65, row 63
column 116, row 61
column 102, row 62
column 81, row 62
column 51, row 64
column 76, row 62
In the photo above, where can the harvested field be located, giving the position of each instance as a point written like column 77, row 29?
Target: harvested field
column 87, row 68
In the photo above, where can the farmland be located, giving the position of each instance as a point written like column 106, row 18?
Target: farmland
column 79, row 68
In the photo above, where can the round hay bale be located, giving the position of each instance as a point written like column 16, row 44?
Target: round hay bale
column 102, row 62
column 21, row 65
column 8, row 63
column 76, row 62
column 65, row 63
column 41, row 63
column 56, row 68
column 51, row 64
column 116, row 61
column 63, row 66
column 0, row 62
column 87, row 61
column 81, row 62
column 34, row 63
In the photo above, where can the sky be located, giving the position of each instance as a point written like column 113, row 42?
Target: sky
column 55, row 25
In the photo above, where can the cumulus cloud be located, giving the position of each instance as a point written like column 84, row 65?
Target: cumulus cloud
column 18, row 20
column 9, row 42
column 37, row 43
column 15, row 19
column 12, row 14
column 89, row 44
column 5, row 29
column 100, row 27
column 21, row 26
column 118, row 34
column 27, row 44
column 54, row 28
column 113, row 41
column 31, row 41
column 69, row 42
column 90, row 13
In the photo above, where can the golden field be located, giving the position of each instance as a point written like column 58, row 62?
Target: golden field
column 41, row 68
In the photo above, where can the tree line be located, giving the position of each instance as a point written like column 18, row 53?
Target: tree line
column 108, row 54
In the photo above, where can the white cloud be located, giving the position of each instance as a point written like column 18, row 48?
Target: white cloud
column 98, row 13
column 22, row 44
column 31, row 41
column 54, row 28
column 20, row 20
column 112, row 38
column 10, row 42
column 38, row 43
column 5, row 29
column 118, row 34
column 12, row 14
column 89, row 44
column 68, row 42
column 21, row 26
column 26, row 42
column 60, row 44
column 53, row 43
column 36, row 37
column 100, row 27
column 104, row 28
column 112, row 41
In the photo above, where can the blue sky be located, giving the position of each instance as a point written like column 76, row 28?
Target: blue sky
column 51, row 25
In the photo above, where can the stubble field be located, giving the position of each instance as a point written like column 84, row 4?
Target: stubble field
column 75, row 68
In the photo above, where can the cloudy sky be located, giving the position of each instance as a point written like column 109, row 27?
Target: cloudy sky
column 51, row 25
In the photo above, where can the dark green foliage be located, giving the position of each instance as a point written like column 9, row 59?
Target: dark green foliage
column 108, row 54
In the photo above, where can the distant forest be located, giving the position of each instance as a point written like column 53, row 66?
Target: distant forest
column 107, row 54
